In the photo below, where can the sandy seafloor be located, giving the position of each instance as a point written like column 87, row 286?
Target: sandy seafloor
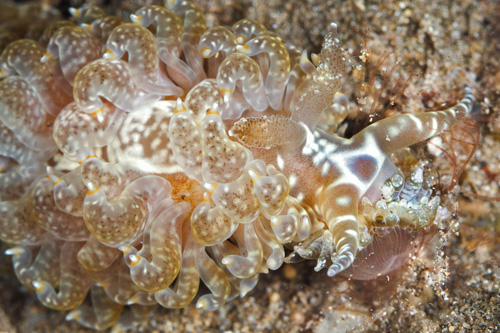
column 453, row 284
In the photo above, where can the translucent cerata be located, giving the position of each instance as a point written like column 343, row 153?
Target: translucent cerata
column 142, row 155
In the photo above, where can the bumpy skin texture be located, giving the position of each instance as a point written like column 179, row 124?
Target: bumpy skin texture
column 123, row 191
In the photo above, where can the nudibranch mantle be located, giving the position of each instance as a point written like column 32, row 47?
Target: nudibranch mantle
column 169, row 153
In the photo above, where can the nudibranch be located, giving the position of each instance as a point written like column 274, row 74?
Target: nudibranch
column 142, row 154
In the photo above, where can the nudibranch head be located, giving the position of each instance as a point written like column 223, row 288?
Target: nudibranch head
column 139, row 158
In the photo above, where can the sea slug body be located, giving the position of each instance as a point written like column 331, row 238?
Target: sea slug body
column 140, row 158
